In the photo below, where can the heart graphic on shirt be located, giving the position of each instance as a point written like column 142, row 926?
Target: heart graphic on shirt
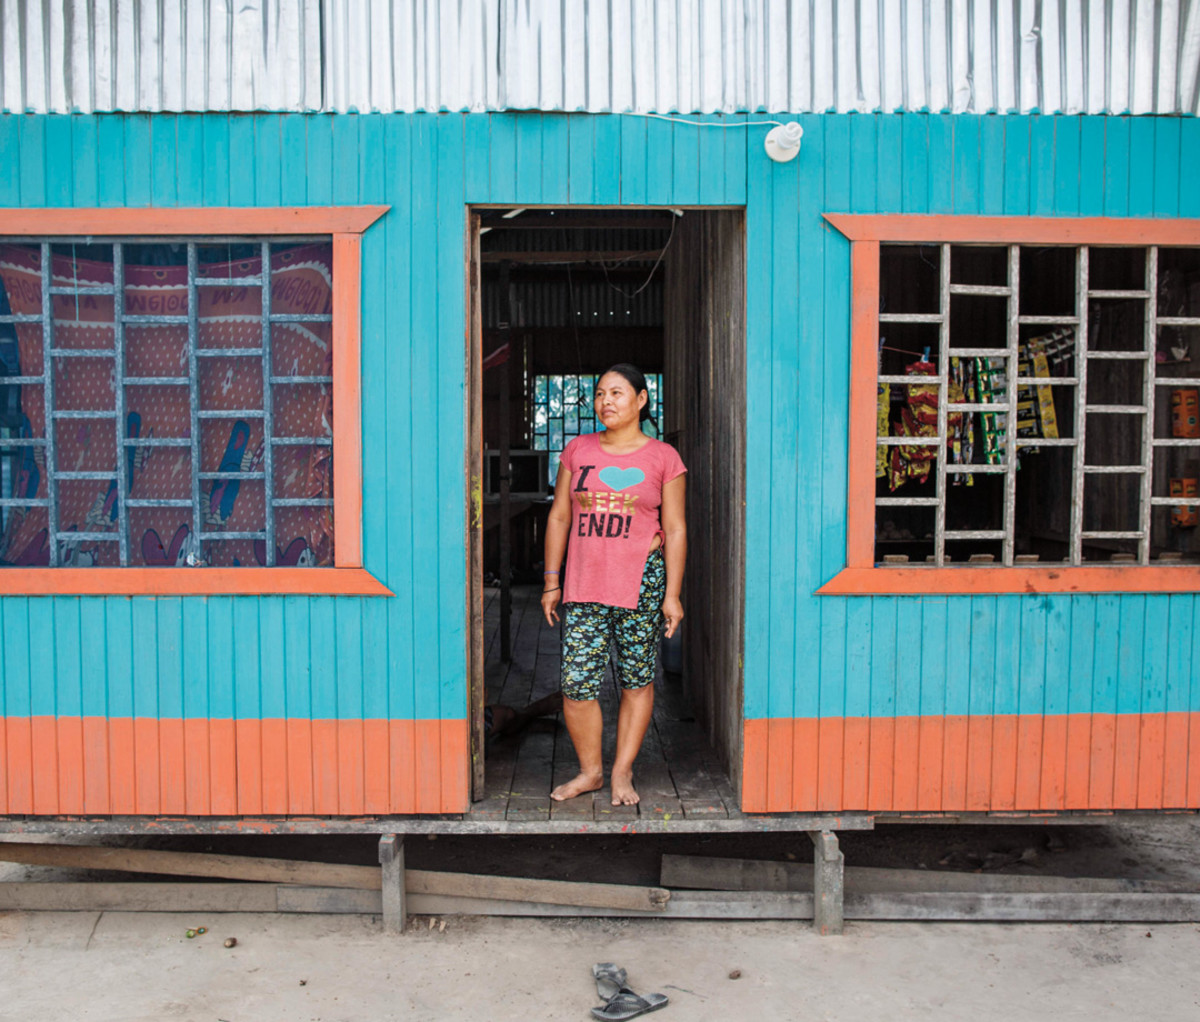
column 621, row 478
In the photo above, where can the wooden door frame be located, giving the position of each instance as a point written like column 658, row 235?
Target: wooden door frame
column 473, row 475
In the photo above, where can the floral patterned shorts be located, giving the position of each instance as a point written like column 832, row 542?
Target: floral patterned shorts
column 589, row 628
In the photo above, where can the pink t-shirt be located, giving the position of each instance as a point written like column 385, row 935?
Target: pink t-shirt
column 615, row 501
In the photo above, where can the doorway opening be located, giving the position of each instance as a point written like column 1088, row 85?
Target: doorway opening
column 556, row 296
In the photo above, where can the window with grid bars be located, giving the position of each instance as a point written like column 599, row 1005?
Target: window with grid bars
column 563, row 410
column 166, row 403
column 1037, row 403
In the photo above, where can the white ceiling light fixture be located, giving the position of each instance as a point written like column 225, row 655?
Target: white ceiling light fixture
column 783, row 142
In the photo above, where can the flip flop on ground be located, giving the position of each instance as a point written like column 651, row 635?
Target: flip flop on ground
column 627, row 1005
column 610, row 980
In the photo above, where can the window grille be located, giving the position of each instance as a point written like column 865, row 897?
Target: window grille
column 1037, row 403
column 563, row 410
column 166, row 403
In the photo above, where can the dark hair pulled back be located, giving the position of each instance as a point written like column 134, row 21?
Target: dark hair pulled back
column 637, row 380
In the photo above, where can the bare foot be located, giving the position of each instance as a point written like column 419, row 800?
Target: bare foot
column 579, row 785
column 623, row 793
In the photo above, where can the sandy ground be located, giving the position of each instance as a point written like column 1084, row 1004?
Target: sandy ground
column 128, row 966
column 141, row 967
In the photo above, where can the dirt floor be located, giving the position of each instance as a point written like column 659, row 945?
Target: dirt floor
column 127, row 967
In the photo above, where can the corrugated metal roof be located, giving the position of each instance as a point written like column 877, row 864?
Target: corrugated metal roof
column 59, row 56
column 665, row 56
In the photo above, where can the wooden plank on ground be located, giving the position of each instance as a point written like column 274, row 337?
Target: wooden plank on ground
column 724, row 874
column 555, row 892
column 1066, row 908
column 241, row 897
column 193, row 864
column 941, row 906
column 1144, row 908
column 331, row 901
column 35, row 896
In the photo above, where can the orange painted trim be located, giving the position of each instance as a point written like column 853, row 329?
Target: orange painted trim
column 345, row 224
column 198, row 767
column 376, row 780
column 347, row 398
column 184, row 222
column 861, row 577
column 1005, row 763
column 864, row 366
column 1011, row 230
column 755, row 748
column 855, row 756
column 191, row 582
column 784, row 743
column 980, row 580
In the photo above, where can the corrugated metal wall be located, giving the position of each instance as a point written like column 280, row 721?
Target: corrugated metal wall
column 931, row 703
column 691, row 56
column 587, row 304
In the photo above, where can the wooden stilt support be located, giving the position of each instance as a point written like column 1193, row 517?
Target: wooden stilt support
column 828, row 882
column 391, row 861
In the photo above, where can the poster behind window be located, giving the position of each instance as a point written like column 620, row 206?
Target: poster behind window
column 231, row 392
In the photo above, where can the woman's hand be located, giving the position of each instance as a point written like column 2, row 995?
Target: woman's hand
column 558, row 524
column 672, row 612
column 550, row 598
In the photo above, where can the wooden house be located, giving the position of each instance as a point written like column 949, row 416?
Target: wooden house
column 271, row 308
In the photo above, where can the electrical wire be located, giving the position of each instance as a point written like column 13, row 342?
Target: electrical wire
column 653, row 269
column 706, row 124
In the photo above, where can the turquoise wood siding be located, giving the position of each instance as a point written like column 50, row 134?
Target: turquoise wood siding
column 899, row 656
column 403, row 658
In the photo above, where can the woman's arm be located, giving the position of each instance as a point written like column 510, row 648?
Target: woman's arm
column 674, row 525
column 558, row 525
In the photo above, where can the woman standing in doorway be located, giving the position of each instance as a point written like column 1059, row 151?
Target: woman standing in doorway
column 619, row 498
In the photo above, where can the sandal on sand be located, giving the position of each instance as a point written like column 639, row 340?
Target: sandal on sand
column 627, row 1005
column 610, row 980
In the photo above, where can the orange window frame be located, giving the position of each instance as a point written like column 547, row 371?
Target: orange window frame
column 346, row 225
column 866, row 233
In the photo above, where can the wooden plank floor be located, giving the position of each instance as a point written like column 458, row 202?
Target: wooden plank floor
column 677, row 773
